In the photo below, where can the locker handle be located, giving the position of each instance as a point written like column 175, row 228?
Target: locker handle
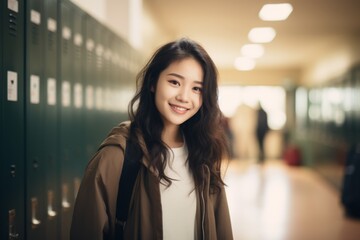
column 34, row 220
column 13, row 235
column 50, row 208
column 65, row 197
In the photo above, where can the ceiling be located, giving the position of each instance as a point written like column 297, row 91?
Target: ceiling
column 221, row 27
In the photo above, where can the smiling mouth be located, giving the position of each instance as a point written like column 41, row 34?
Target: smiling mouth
column 178, row 109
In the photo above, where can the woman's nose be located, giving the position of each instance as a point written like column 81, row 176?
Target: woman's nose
column 182, row 95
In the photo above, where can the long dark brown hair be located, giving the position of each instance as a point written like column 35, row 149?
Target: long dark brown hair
column 203, row 133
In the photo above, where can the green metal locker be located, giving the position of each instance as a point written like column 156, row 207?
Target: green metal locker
column 12, row 212
column 78, row 96
column 34, row 109
column 50, row 124
column 126, row 75
column 118, row 73
column 89, row 82
column 3, row 219
column 112, row 75
column 99, row 131
column 2, row 94
column 108, row 115
column 100, row 81
column 66, row 102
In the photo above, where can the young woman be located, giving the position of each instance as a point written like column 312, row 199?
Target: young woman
column 178, row 192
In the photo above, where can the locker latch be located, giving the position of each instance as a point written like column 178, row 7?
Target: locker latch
column 65, row 197
column 50, row 208
column 13, row 235
column 34, row 220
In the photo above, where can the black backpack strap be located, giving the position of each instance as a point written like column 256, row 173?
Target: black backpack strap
column 129, row 173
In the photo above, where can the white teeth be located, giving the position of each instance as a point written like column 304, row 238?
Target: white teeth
column 180, row 108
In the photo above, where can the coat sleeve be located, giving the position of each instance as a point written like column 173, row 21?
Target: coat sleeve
column 223, row 222
column 95, row 205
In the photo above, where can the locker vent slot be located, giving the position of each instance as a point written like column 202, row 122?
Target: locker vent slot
column 12, row 24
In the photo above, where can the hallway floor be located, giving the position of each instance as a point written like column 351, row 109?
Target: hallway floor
column 278, row 202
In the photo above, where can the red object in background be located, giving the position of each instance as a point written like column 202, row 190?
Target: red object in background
column 292, row 156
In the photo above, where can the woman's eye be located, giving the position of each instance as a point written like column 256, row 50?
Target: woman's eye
column 197, row 89
column 174, row 82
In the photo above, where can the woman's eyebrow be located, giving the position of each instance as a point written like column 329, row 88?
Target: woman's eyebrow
column 176, row 75
column 182, row 77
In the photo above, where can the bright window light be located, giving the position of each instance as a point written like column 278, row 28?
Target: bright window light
column 275, row 12
column 230, row 98
column 244, row 64
column 262, row 34
column 272, row 98
column 252, row 50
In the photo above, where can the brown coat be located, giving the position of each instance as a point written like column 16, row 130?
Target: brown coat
column 95, row 207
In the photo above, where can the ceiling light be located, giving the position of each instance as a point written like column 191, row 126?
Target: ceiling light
column 252, row 50
column 244, row 64
column 275, row 12
column 262, row 34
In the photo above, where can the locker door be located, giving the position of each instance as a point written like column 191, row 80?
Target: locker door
column 78, row 96
column 34, row 94
column 118, row 73
column 50, row 124
column 126, row 74
column 12, row 211
column 108, row 115
column 66, row 141
column 1, row 88
column 89, row 81
column 112, row 75
column 100, row 131
column 2, row 93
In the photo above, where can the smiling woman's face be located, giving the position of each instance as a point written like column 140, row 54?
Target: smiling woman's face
column 178, row 93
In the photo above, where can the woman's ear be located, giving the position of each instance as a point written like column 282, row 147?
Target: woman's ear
column 152, row 89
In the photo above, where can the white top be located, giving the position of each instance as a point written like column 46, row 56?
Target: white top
column 179, row 200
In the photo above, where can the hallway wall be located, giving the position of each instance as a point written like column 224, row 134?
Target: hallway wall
column 65, row 81
column 334, row 64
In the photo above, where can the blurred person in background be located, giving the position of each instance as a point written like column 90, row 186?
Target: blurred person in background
column 262, row 129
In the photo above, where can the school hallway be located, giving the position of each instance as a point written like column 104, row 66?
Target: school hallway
column 275, row 201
